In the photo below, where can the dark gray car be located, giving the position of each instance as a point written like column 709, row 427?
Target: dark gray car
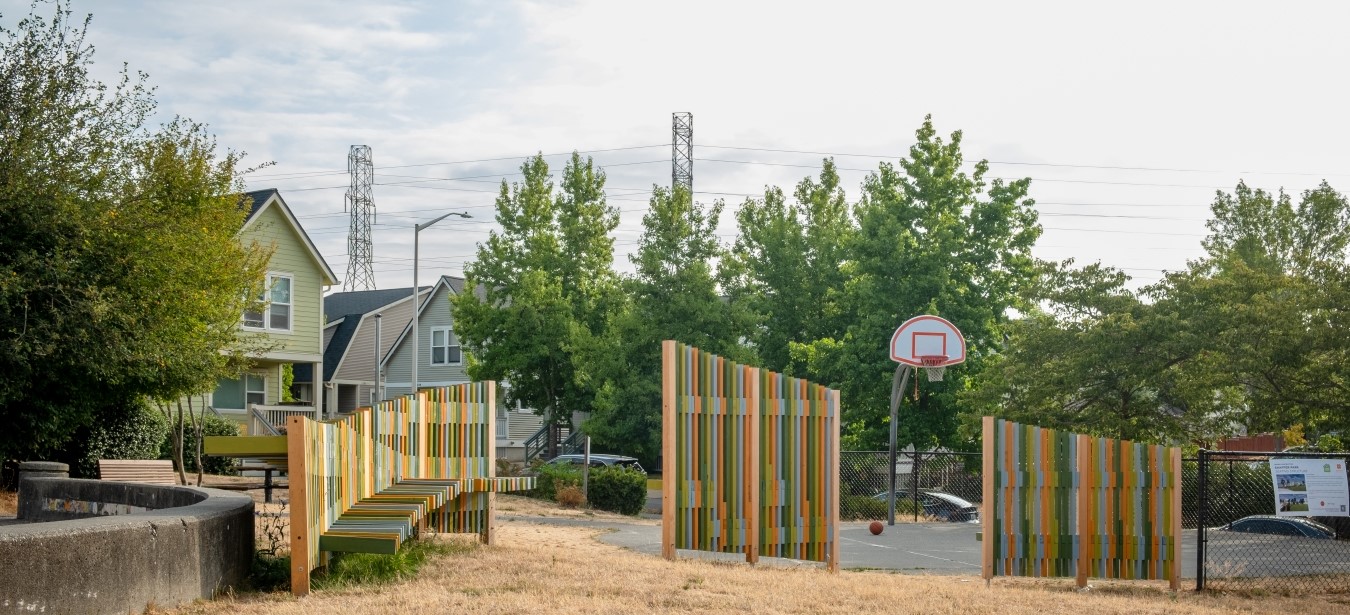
column 599, row 460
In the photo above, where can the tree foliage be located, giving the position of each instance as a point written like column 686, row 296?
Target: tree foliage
column 548, row 284
column 120, row 272
column 674, row 295
column 931, row 239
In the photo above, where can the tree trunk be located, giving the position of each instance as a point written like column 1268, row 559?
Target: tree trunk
column 178, row 445
column 197, row 432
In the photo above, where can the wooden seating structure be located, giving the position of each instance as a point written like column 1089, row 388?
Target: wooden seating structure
column 148, row 471
column 371, row 481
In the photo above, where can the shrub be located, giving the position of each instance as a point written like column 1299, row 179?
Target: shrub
column 617, row 489
column 551, row 476
column 270, row 573
column 570, row 496
column 210, row 425
column 133, row 432
column 867, row 508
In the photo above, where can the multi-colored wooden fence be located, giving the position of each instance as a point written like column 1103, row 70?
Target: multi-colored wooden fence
column 371, row 480
column 1058, row 504
column 750, row 460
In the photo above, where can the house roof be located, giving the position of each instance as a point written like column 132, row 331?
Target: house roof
column 337, row 305
column 454, row 284
column 263, row 199
column 337, row 345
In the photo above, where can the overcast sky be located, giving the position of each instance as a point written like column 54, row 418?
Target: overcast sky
column 1190, row 96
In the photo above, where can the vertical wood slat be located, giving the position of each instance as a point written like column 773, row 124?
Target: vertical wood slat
column 753, row 508
column 1174, row 544
column 668, row 456
column 987, row 506
column 301, row 526
column 1083, row 463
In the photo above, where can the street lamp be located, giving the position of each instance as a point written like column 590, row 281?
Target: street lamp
column 416, row 357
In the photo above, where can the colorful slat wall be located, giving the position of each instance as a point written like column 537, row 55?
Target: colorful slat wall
column 750, row 460
column 1058, row 504
column 445, row 433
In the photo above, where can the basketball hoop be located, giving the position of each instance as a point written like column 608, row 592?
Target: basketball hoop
column 934, row 366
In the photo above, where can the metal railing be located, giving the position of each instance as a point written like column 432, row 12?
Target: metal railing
column 272, row 419
column 1243, row 543
column 538, row 444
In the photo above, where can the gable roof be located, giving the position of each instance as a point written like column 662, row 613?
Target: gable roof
column 263, row 199
column 454, row 284
column 337, row 345
column 337, row 305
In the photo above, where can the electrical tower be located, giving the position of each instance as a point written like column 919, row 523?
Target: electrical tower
column 361, row 204
column 682, row 151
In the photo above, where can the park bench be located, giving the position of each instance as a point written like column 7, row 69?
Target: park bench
column 149, row 471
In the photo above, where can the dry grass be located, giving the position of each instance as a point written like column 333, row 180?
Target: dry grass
column 9, row 503
column 549, row 569
column 518, row 505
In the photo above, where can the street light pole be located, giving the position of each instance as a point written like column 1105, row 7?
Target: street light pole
column 416, row 303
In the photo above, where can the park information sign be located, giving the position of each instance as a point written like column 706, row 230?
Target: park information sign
column 1310, row 487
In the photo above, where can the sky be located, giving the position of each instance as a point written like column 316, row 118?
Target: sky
column 1127, row 116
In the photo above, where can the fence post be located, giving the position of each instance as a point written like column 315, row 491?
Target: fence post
column 1200, row 537
column 914, row 483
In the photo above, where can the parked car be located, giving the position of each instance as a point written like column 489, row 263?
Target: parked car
column 939, row 505
column 1283, row 526
column 600, row 461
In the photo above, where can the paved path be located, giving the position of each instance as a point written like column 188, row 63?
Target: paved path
column 938, row 548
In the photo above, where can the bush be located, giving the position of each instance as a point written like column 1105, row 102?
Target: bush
column 867, row 508
column 210, row 425
column 133, row 432
column 617, row 489
column 571, row 496
column 270, row 573
column 551, row 476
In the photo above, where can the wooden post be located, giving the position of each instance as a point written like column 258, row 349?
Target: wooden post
column 668, row 412
column 832, row 481
column 1085, row 522
column 489, row 536
column 298, row 468
column 752, row 460
column 1175, row 488
column 987, row 506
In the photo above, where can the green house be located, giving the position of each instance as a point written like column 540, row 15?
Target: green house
column 292, row 321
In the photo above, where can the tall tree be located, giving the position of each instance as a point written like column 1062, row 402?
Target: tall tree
column 674, row 295
column 121, row 275
column 547, row 281
column 792, row 262
column 931, row 239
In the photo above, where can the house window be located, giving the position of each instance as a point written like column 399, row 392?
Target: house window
column 443, row 351
column 277, row 302
column 238, row 393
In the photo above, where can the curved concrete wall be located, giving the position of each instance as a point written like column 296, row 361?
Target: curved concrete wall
column 121, row 546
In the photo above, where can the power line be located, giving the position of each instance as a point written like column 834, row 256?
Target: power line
column 449, row 162
column 1104, row 167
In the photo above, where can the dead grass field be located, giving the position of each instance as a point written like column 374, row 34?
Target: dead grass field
column 9, row 503
column 550, row 569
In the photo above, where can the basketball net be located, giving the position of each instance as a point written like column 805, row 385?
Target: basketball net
column 933, row 366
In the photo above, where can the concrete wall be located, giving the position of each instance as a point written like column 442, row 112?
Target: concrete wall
column 108, row 547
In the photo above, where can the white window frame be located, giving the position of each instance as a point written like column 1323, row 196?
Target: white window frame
column 431, row 347
column 262, row 379
column 272, row 277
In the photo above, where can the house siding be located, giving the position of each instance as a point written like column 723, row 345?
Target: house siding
column 291, row 257
column 358, row 364
column 398, row 374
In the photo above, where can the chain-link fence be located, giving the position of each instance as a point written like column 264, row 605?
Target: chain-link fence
column 929, row 486
column 1229, row 497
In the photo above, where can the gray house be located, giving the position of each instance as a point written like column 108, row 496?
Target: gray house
column 350, row 379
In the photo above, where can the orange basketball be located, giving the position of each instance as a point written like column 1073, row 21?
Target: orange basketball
column 876, row 527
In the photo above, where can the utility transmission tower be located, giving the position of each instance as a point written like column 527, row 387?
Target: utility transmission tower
column 361, row 204
column 682, row 151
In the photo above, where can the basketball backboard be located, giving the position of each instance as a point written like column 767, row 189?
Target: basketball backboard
column 928, row 341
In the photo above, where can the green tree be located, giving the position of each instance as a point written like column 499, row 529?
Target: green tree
column 548, row 283
column 931, row 239
column 791, row 261
column 674, row 295
column 1095, row 358
column 121, row 276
